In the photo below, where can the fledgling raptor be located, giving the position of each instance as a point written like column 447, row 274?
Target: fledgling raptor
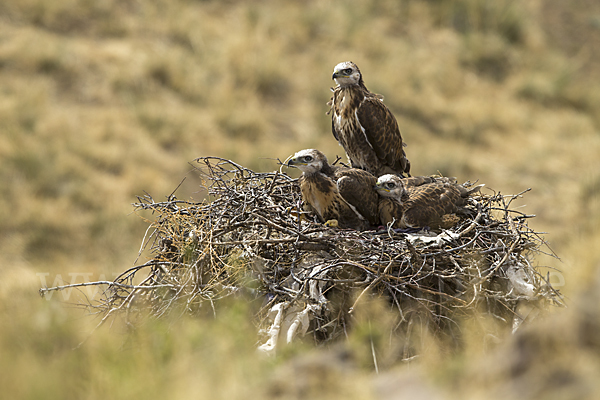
column 364, row 126
column 421, row 201
column 336, row 193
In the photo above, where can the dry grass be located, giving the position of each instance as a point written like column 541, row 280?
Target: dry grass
column 103, row 100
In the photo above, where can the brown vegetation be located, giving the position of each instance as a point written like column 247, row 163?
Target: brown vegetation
column 101, row 101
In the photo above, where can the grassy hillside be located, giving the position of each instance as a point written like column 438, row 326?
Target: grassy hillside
column 101, row 101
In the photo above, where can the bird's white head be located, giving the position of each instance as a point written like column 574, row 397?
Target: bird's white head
column 308, row 161
column 346, row 74
column 390, row 186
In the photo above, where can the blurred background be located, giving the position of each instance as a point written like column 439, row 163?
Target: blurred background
column 101, row 101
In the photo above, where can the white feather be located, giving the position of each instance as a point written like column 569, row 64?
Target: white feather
column 355, row 210
column 360, row 216
column 338, row 120
column 362, row 129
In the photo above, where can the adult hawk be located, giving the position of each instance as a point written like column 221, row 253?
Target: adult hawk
column 364, row 126
column 421, row 201
column 335, row 192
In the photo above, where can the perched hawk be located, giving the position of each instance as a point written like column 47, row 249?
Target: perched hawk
column 337, row 193
column 421, row 201
column 364, row 126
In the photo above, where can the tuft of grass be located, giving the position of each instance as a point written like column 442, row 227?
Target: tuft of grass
column 506, row 18
column 489, row 56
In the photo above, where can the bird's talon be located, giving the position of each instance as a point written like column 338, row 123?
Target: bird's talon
column 332, row 223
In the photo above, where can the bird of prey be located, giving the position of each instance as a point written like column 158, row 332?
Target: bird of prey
column 364, row 126
column 336, row 193
column 421, row 201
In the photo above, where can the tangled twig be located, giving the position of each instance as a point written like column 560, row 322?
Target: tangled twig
column 251, row 237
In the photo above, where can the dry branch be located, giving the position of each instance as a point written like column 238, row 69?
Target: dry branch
column 251, row 237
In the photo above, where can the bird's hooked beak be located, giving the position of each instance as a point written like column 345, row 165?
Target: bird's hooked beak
column 379, row 186
column 293, row 162
column 338, row 74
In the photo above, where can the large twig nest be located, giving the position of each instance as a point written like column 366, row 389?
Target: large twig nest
column 251, row 237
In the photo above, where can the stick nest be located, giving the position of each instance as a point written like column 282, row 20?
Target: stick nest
column 252, row 238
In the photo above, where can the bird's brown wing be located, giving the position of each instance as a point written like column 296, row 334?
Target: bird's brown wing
column 427, row 204
column 382, row 132
column 320, row 194
column 357, row 188
column 334, row 131
column 417, row 181
column 422, row 180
